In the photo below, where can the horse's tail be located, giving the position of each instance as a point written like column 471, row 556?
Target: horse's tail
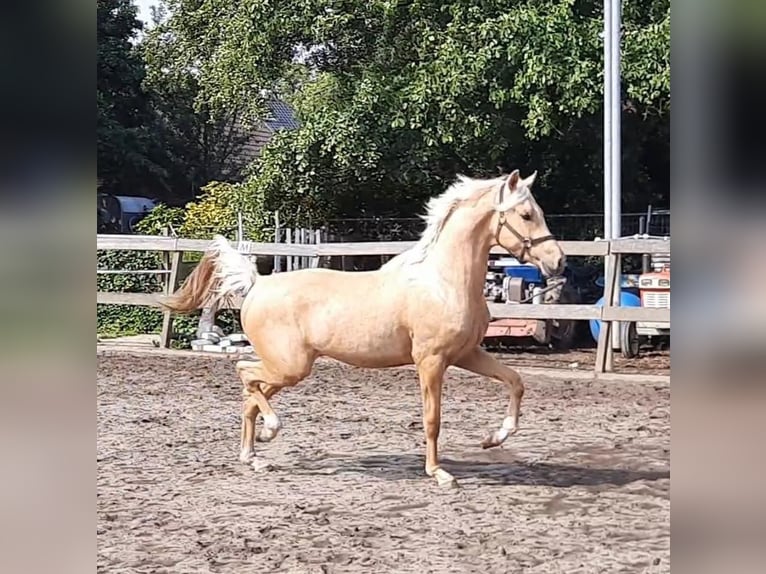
column 221, row 273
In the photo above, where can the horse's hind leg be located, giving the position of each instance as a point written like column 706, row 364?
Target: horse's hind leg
column 250, row 412
column 260, row 383
column 482, row 363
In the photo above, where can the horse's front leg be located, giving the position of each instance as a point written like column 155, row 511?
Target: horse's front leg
column 431, row 374
column 482, row 363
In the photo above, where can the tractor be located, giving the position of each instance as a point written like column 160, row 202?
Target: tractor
column 654, row 292
column 511, row 282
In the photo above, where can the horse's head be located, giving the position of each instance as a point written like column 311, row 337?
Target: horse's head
column 519, row 226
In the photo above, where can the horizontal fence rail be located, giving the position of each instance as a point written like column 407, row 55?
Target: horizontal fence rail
column 155, row 243
column 173, row 248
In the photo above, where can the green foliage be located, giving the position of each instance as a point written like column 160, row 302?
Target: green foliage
column 120, row 320
column 200, row 142
column 215, row 211
column 155, row 136
column 397, row 97
column 160, row 219
column 126, row 146
column 113, row 320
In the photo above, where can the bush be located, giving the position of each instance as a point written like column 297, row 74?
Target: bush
column 214, row 212
column 121, row 320
column 114, row 320
column 161, row 218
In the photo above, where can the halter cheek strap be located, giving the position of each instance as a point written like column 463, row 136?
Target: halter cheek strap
column 526, row 242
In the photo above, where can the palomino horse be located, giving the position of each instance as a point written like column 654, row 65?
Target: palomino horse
column 424, row 307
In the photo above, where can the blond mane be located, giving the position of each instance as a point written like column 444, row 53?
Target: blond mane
column 438, row 211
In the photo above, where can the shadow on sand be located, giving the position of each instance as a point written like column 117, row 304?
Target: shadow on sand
column 516, row 472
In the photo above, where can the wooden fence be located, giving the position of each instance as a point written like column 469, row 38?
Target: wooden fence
column 610, row 315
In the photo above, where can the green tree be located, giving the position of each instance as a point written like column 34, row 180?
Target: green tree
column 155, row 135
column 200, row 142
column 127, row 149
column 396, row 97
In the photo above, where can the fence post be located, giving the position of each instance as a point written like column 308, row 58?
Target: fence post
column 165, row 255
column 289, row 240
column 299, row 241
column 316, row 261
column 339, row 238
column 277, row 239
column 301, row 262
column 170, row 285
column 615, row 302
column 604, row 351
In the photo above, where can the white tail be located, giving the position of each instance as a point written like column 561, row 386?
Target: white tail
column 234, row 273
column 222, row 273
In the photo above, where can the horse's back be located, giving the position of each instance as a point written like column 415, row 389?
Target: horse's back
column 355, row 317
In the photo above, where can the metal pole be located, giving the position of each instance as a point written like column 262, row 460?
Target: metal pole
column 607, row 38
column 607, row 121
column 642, row 229
column 289, row 239
column 616, row 155
column 612, row 126
column 615, row 102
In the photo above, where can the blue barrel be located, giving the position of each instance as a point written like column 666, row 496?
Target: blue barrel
column 627, row 299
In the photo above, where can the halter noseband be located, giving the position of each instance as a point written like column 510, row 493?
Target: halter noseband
column 527, row 243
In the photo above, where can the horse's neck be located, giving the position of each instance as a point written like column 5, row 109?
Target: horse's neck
column 461, row 256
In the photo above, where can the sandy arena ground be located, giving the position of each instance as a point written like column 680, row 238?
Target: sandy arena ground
column 583, row 487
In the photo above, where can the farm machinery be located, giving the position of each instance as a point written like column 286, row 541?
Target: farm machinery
column 511, row 282
column 653, row 292
column 649, row 288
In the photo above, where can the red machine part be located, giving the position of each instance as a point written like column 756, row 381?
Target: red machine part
column 517, row 328
column 655, row 289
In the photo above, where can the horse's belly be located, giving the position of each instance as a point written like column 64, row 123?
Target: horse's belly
column 372, row 360
column 346, row 316
column 365, row 343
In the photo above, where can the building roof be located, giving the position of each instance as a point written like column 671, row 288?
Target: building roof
column 282, row 116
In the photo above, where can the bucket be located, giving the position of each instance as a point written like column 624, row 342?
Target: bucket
column 627, row 299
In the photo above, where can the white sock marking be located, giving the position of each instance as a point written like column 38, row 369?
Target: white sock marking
column 271, row 422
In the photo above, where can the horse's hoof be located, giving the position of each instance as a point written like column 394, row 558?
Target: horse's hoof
column 451, row 483
column 246, row 457
column 266, row 435
column 489, row 442
column 261, row 465
column 445, row 479
column 497, row 438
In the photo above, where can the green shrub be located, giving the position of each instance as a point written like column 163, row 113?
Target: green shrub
column 214, row 212
column 161, row 218
column 114, row 320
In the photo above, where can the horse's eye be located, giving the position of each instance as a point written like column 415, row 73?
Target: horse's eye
column 526, row 216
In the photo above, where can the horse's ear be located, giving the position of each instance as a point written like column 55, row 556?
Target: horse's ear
column 530, row 180
column 512, row 182
column 511, row 185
